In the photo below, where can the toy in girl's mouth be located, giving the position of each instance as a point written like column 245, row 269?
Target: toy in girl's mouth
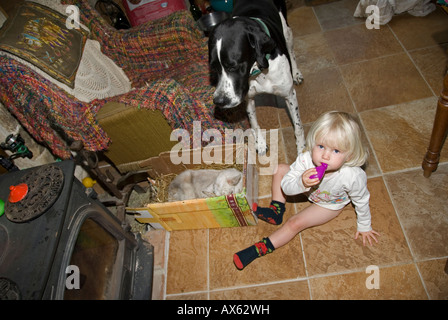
column 320, row 171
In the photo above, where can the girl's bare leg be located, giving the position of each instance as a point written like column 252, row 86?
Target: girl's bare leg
column 277, row 193
column 311, row 216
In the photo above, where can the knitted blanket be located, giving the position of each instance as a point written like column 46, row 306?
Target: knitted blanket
column 165, row 60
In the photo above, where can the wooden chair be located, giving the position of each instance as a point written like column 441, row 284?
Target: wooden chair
column 439, row 132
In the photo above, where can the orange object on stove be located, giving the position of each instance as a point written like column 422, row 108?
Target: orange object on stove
column 18, row 192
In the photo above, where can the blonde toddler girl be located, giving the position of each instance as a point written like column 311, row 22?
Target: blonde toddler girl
column 334, row 139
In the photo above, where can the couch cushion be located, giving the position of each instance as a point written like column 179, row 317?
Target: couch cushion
column 39, row 35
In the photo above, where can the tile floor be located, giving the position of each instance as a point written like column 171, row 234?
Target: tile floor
column 390, row 78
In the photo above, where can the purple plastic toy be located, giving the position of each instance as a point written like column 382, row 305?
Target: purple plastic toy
column 320, row 171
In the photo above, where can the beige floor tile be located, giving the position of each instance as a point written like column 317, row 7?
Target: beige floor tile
column 303, row 21
column 422, row 206
column 295, row 290
column 331, row 247
column 283, row 264
column 284, row 118
column 435, row 276
column 322, row 91
column 383, row 82
column 313, row 53
column 419, row 32
column 371, row 167
column 157, row 239
column 337, row 14
column 268, row 117
column 290, row 145
column 187, row 264
column 432, row 62
column 357, row 43
column 395, row 283
column 400, row 134
column 264, row 186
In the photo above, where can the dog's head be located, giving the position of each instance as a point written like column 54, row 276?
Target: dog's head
column 234, row 46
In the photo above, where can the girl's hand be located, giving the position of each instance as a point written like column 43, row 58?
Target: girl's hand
column 369, row 235
column 307, row 182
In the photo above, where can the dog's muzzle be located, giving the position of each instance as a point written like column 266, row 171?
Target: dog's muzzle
column 225, row 101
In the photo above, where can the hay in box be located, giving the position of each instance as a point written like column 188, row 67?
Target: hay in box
column 234, row 210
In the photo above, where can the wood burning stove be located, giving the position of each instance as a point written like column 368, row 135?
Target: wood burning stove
column 58, row 242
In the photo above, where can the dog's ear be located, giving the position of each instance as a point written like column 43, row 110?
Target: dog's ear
column 213, row 61
column 263, row 44
column 211, row 47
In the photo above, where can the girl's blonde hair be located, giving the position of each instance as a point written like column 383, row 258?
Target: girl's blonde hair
column 339, row 130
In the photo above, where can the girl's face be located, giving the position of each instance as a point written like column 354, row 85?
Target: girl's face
column 322, row 152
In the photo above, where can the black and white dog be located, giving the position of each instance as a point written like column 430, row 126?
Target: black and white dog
column 252, row 53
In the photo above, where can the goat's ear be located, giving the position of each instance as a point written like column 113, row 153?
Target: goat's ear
column 263, row 44
column 234, row 180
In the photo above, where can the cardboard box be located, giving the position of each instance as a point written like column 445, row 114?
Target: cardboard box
column 142, row 11
column 234, row 210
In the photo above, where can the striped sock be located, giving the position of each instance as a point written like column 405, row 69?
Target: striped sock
column 273, row 214
column 246, row 256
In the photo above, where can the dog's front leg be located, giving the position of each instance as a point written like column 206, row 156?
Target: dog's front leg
column 289, row 38
column 260, row 142
column 293, row 107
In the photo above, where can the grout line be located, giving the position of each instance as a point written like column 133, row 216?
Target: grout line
column 306, row 266
column 287, row 160
column 414, row 259
column 410, row 169
column 208, row 264
column 165, row 263
column 422, row 280
column 412, row 60
column 338, row 67
column 317, row 19
column 371, row 147
column 371, row 59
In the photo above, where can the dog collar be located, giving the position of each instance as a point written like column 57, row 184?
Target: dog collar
column 263, row 25
column 255, row 71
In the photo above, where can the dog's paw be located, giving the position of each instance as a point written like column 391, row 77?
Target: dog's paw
column 298, row 78
column 261, row 147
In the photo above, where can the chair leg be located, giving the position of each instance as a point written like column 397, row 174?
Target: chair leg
column 439, row 131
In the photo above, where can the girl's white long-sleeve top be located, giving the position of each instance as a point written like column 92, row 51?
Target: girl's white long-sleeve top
column 335, row 191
